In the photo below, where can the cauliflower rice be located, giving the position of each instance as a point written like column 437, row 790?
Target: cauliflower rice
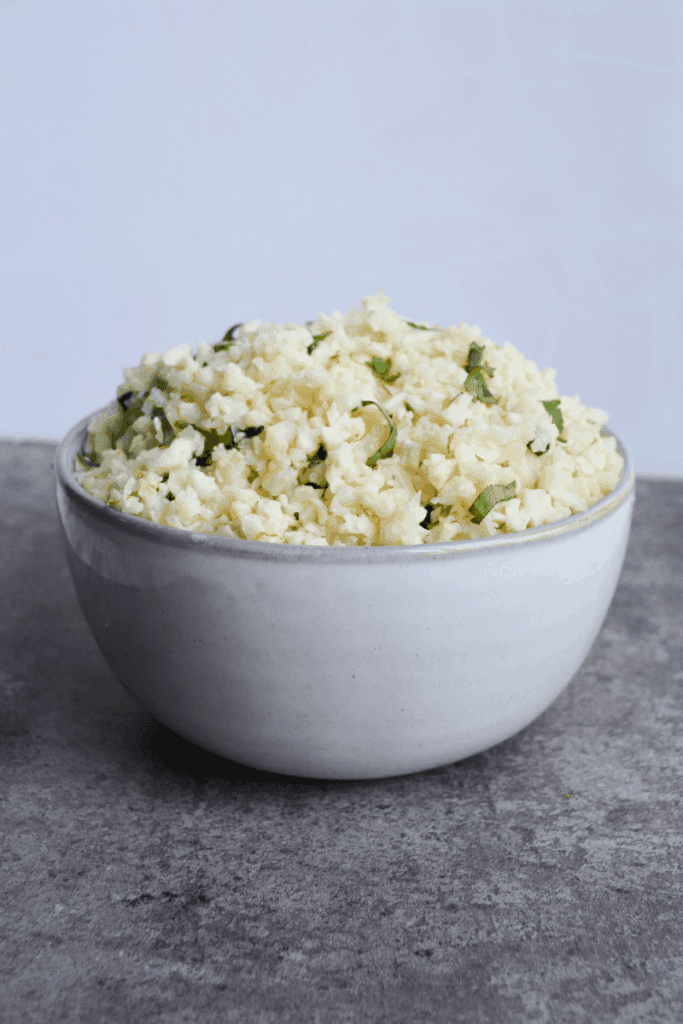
column 363, row 429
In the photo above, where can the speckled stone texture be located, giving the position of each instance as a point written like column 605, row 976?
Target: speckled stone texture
column 144, row 880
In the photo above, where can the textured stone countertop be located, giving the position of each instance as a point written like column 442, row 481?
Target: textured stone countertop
column 144, row 880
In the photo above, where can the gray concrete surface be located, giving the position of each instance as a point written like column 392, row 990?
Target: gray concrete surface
column 144, row 880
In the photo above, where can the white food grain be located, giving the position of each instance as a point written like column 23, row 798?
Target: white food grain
column 274, row 486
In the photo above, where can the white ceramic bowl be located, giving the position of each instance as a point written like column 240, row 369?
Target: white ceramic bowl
column 345, row 663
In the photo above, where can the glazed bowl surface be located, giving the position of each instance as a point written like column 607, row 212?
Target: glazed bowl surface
column 342, row 663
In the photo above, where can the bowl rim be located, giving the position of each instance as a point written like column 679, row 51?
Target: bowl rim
column 126, row 522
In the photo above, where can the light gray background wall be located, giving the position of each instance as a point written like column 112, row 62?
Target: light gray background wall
column 168, row 167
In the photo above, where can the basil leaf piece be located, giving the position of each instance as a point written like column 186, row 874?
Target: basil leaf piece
column 426, row 523
column 167, row 431
column 212, row 438
column 313, row 460
column 228, row 339
column 317, row 338
column 387, row 449
column 381, row 369
column 553, row 407
column 84, row 462
column 475, row 386
column 474, row 382
column 419, row 327
column 474, row 356
column 429, row 524
column 107, row 429
column 489, row 497
column 125, row 400
column 114, row 430
column 318, row 456
column 131, row 408
column 252, row 475
column 232, row 438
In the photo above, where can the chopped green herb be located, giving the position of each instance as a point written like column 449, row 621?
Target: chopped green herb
column 125, row 399
column 170, row 496
column 85, row 463
column 418, row 327
column 114, row 427
column 317, row 338
column 428, row 523
column 313, row 460
column 212, row 439
column 474, row 382
column 409, row 407
column 553, row 407
column 537, row 454
column 318, row 456
column 232, row 438
column 251, row 475
column 387, row 449
column 296, row 516
column 475, row 386
column 106, row 430
column 489, row 497
column 381, row 369
column 228, row 339
column 167, row 431
column 474, row 357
